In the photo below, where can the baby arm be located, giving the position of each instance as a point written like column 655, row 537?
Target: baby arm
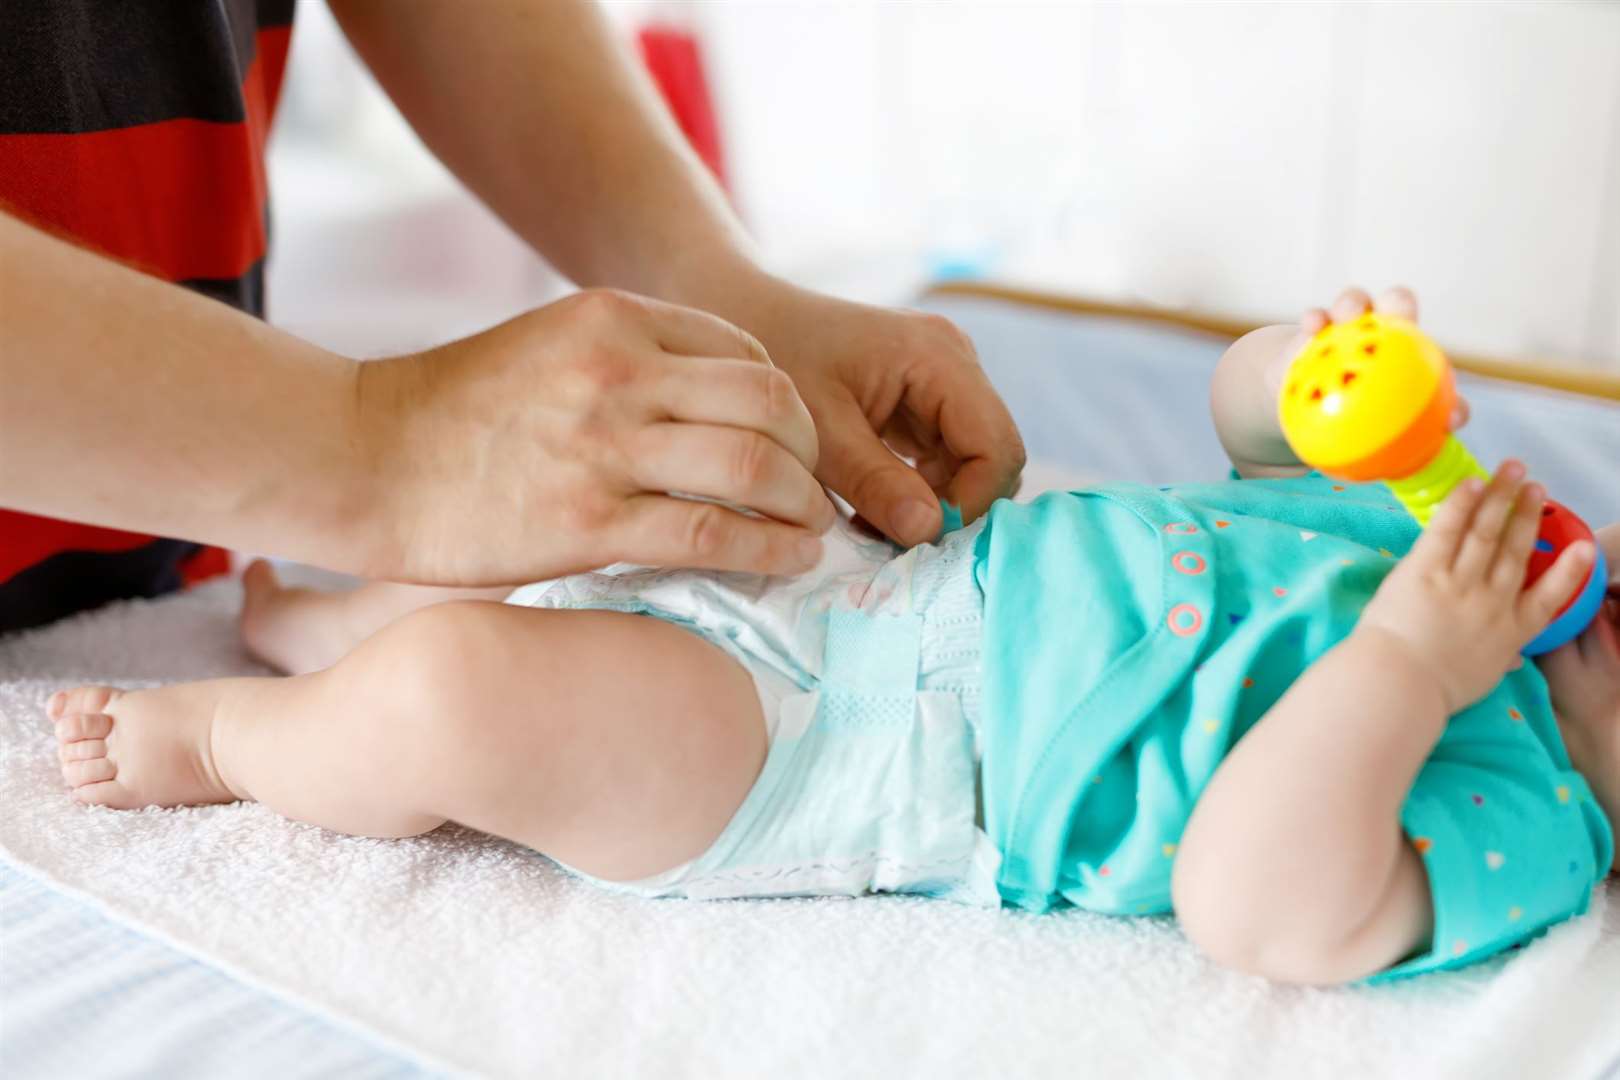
column 1243, row 392
column 1294, row 864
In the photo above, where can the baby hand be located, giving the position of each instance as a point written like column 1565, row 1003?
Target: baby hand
column 1458, row 604
column 1351, row 304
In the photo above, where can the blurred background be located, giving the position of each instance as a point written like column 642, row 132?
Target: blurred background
column 1237, row 159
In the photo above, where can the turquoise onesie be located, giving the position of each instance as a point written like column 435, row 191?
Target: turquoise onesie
column 1133, row 635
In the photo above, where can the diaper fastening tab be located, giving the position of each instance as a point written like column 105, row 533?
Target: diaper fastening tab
column 870, row 669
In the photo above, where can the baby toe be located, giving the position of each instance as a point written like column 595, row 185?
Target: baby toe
column 1398, row 300
column 76, row 726
column 106, row 793
column 85, row 699
column 80, row 773
column 82, row 750
column 260, row 576
column 1350, row 304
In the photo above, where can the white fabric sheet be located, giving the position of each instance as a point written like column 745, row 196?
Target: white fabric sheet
column 469, row 954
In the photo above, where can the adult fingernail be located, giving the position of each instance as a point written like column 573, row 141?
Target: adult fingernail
column 809, row 550
column 915, row 520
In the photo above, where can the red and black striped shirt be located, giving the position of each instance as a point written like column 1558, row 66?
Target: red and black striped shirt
column 135, row 128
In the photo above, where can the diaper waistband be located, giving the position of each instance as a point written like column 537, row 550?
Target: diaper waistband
column 943, row 632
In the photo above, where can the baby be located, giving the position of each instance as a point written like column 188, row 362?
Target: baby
column 1268, row 705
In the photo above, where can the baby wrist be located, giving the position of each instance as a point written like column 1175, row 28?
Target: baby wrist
column 1405, row 662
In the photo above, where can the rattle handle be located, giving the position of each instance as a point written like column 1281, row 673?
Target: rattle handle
column 1424, row 491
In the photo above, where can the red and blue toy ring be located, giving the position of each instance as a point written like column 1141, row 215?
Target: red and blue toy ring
column 1578, row 615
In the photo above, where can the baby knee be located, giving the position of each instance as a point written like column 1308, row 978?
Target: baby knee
column 426, row 660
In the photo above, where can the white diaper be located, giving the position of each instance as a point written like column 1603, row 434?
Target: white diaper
column 868, row 672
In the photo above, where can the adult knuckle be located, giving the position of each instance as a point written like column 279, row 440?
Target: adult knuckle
column 595, row 377
column 778, row 397
column 938, row 325
column 585, row 306
column 604, row 305
column 611, row 368
column 813, row 446
column 584, row 511
column 750, row 460
column 1016, row 452
column 956, row 338
column 868, row 488
column 751, row 347
column 708, row 531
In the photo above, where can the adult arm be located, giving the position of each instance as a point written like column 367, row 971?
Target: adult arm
column 537, row 107
column 131, row 403
column 542, row 446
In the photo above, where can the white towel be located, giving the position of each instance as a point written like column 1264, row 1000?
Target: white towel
column 482, row 956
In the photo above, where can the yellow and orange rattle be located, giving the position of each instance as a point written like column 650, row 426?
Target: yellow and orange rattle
column 1372, row 399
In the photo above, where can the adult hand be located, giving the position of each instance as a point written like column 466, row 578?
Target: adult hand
column 882, row 382
column 553, row 441
column 612, row 195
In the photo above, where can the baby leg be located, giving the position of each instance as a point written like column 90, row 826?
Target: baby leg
column 302, row 630
column 617, row 743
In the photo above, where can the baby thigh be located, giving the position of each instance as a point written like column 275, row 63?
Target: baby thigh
column 619, row 744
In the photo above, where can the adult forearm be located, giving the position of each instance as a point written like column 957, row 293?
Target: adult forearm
column 131, row 403
column 537, row 107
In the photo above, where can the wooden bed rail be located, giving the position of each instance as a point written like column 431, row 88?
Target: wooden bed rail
column 1551, row 376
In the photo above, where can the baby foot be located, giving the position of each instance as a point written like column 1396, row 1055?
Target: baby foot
column 276, row 625
column 126, row 750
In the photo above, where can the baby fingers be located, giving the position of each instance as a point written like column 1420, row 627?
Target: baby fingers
column 1440, row 541
column 1523, row 526
column 1483, row 539
column 1547, row 597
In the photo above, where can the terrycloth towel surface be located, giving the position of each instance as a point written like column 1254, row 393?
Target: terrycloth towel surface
column 481, row 956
